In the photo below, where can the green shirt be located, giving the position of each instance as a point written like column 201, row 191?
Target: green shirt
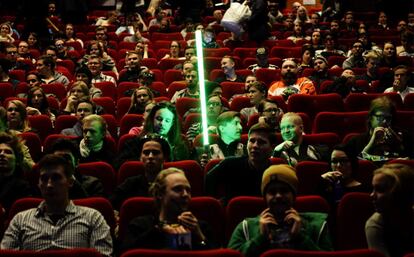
column 314, row 236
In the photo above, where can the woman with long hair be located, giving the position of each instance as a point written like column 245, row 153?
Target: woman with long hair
column 37, row 103
column 163, row 120
column 17, row 116
column 139, row 99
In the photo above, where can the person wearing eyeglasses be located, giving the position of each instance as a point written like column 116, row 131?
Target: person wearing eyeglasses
column 341, row 179
column 384, row 140
column 293, row 149
column 192, row 90
column 12, row 55
column 270, row 114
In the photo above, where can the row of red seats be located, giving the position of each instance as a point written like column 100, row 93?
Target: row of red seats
column 223, row 220
column 223, row 252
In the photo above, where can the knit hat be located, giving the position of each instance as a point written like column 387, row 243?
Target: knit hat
column 320, row 57
column 283, row 173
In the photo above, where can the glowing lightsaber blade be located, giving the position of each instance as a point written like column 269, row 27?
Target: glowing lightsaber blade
column 200, row 61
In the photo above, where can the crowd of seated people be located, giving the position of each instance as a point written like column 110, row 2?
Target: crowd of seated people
column 98, row 93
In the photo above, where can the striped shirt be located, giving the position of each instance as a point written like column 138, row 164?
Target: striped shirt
column 80, row 227
column 103, row 78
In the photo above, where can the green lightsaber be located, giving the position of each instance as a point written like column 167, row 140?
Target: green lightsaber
column 200, row 61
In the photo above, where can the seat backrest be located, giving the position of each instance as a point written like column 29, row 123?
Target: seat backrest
column 112, row 125
column 309, row 174
column 184, row 104
column 129, row 121
column 56, row 89
column 223, row 252
column 122, row 107
column 267, row 76
column 6, row 90
column 193, row 172
column 239, row 103
column 313, row 104
column 299, row 253
column 350, row 226
column 41, row 124
column 171, row 75
column 33, row 142
column 126, row 86
column 65, row 121
column 405, row 121
column 341, row 123
column 409, row 102
column 107, row 104
column 361, row 102
column 108, row 89
column 101, row 170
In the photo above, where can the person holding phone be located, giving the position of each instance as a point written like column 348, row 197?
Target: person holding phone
column 280, row 225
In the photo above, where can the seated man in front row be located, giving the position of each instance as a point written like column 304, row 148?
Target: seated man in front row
column 173, row 226
column 57, row 223
column 280, row 225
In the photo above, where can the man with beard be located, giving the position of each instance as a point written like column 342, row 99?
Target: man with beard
column 247, row 169
column 153, row 151
column 401, row 82
column 280, row 225
column 290, row 83
column 293, row 149
column 173, row 226
column 192, row 90
column 321, row 74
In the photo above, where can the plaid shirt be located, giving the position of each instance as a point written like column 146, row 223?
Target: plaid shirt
column 81, row 227
column 103, row 78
